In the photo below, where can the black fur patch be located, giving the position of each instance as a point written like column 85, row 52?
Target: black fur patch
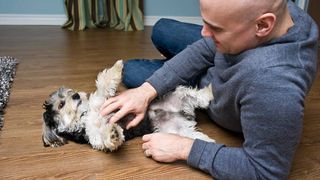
column 48, row 116
column 77, row 137
column 144, row 127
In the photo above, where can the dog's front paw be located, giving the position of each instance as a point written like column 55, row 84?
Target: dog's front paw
column 113, row 137
column 109, row 80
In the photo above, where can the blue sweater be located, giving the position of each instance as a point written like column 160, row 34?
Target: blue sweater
column 259, row 92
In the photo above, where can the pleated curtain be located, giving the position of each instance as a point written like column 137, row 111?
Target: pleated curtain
column 126, row 15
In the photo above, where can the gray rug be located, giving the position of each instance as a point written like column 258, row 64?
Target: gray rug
column 7, row 71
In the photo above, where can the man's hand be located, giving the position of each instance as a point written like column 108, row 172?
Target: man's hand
column 133, row 101
column 164, row 147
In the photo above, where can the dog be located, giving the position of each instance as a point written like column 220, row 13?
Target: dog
column 71, row 115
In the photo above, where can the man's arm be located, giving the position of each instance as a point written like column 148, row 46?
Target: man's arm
column 192, row 61
column 188, row 64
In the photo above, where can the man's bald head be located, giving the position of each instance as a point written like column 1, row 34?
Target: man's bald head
column 237, row 25
column 256, row 8
column 245, row 10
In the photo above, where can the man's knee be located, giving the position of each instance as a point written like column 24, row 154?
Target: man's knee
column 161, row 27
column 160, row 30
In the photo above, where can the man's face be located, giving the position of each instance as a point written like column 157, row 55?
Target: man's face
column 225, row 24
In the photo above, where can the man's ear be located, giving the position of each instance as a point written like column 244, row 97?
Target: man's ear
column 265, row 24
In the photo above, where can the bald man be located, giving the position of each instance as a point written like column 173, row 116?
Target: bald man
column 259, row 56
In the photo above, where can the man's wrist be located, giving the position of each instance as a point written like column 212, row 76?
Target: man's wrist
column 149, row 91
column 187, row 145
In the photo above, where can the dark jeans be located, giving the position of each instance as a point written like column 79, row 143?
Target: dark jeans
column 170, row 37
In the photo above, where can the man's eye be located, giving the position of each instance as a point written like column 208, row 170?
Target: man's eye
column 216, row 29
column 62, row 103
column 219, row 30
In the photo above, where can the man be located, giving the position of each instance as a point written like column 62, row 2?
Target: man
column 260, row 57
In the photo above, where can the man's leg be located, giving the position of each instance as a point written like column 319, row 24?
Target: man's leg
column 169, row 37
column 136, row 71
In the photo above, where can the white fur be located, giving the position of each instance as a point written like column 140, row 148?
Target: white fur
column 97, row 128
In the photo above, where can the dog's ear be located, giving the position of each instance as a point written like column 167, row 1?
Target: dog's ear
column 50, row 137
column 49, row 128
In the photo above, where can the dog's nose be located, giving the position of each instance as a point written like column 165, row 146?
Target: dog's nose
column 75, row 96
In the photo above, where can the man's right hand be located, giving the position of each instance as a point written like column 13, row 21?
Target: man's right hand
column 134, row 101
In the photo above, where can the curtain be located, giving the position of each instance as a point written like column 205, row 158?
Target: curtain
column 124, row 15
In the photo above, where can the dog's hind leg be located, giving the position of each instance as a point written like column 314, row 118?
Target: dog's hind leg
column 193, row 98
column 194, row 134
column 183, row 127
column 113, row 136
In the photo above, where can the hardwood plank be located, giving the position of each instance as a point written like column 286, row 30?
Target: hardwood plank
column 51, row 57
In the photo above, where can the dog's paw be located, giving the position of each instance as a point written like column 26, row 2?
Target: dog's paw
column 97, row 143
column 109, row 79
column 113, row 137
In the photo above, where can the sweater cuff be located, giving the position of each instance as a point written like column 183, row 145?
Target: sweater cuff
column 156, row 85
column 202, row 155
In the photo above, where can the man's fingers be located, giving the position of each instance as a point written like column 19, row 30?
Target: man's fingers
column 135, row 121
column 118, row 115
column 147, row 149
column 145, row 146
column 146, row 137
column 148, row 153
column 110, row 108
column 107, row 103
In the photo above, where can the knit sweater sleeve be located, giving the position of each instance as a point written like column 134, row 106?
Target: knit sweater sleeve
column 188, row 64
column 271, row 118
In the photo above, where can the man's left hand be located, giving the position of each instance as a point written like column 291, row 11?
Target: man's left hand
column 165, row 147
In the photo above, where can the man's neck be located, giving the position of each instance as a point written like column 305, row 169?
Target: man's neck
column 283, row 25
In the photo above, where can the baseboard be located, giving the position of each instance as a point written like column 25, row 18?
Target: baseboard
column 39, row 19
column 32, row 19
column 151, row 20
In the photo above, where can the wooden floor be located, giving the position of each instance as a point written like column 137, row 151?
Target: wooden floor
column 51, row 57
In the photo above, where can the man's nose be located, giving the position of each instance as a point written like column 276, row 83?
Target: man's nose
column 205, row 32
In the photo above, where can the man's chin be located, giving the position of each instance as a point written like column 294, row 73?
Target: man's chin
column 220, row 50
column 225, row 51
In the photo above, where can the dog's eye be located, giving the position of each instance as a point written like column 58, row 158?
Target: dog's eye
column 61, row 104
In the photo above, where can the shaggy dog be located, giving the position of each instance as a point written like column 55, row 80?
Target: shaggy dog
column 70, row 115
